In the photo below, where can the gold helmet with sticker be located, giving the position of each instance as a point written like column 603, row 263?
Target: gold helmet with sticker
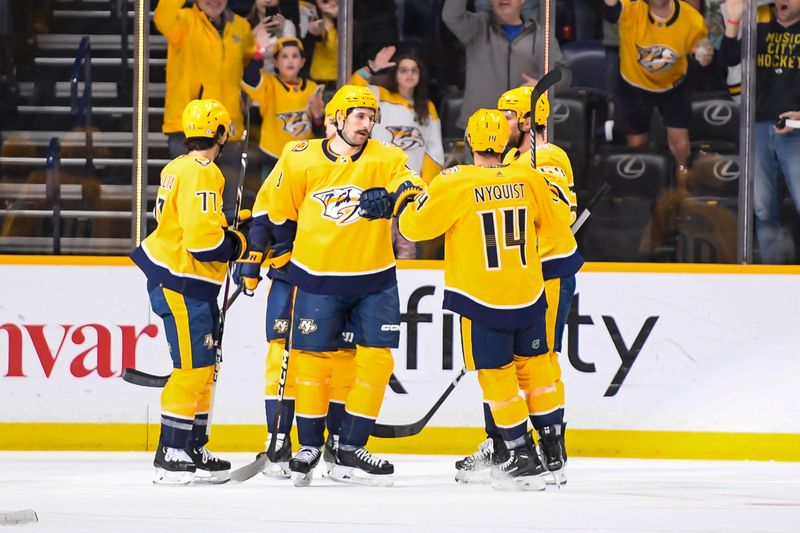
column 488, row 131
column 202, row 118
column 349, row 97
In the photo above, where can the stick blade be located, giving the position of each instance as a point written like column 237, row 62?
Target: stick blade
column 251, row 469
column 15, row 518
column 137, row 377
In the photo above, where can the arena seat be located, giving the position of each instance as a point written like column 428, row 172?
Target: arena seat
column 637, row 177
column 715, row 123
column 587, row 61
column 449, row 112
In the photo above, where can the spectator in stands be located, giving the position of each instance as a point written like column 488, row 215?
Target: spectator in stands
column 209, row 47
column 291, row 106
column 503, row 48
column 269, row 25
column 408, row 120
column 777, row 146
column 321, row 43
column 655, row 41
column 530, row 8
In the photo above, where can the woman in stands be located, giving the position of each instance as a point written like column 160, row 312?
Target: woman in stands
column 408, row 119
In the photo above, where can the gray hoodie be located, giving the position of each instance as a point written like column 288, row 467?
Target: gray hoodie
column 495, row 65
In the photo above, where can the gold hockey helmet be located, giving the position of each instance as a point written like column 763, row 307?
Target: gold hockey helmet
column 202, row 118
column 488, row 131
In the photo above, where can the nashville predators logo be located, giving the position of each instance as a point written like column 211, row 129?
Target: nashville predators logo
column 295, row 123
column 340, row 203
column 657, row 58
column 406, row 137
column 281, row 326
column 307, row 326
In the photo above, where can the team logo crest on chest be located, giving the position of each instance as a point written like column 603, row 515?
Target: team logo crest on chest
column 295, row 123
column 656, row 58
column 406, row 137
column 340, row 203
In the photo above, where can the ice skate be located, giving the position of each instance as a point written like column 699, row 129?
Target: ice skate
column 522, row 471
column 360, row 467
column 279, row 468
column 209, row 468
column 329, row 451
column 302, row 465
column 476, row 468
column 553, row 453
column 173, row 467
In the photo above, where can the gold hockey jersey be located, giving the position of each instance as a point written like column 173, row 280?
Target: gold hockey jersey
column 492, row 218
column 653, row 54
column 555, row 165
column 284, row 110
column 335, row 250
column 188, row 251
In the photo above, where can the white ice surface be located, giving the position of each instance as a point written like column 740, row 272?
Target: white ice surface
column 112, row 492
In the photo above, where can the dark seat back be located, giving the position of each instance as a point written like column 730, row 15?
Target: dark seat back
column 715, row 122
column 449, row 113
column 587, row 61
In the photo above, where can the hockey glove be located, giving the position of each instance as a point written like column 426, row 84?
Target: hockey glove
column 245, row 219
column 375, row 203
column 239, row 242
column 405, row 193
column 246, row 272
column 280, row 254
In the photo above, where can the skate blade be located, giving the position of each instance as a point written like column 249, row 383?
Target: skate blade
column 354, row 476
column 471, row 477
column 212, row 478
column 518, row 484
column 557, row 478
column 302, row 480
column 277, row 470
column 328, row 468
column 166, row 477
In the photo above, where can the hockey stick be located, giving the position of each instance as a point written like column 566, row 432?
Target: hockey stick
column 15, row 518
column 589, row 207
column 545, row 84
column 257, row 465
column 392, row 432
column 143, row 379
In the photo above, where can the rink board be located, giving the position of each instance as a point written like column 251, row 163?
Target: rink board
column 659, row 361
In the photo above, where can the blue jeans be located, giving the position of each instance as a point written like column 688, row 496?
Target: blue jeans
column 776, row 155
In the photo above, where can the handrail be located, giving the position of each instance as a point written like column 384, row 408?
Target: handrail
column 119, row 11
column 81, row 107
column 53, row 189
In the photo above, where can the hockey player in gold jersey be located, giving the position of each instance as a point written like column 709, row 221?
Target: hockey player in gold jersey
column 185, row 260
column 261, row 249
column 492, row 216
column 544, row 390
column 343, row 269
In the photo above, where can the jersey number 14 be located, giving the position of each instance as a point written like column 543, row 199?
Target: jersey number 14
column 514, row 221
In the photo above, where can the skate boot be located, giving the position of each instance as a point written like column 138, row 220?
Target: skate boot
column 173, row 467
column 302, row 465
column 475, row 468
column 522, row 471
column 329, row 451
column 360, row 467
column 279, row 468
column 551, row 445
column 209, row 468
